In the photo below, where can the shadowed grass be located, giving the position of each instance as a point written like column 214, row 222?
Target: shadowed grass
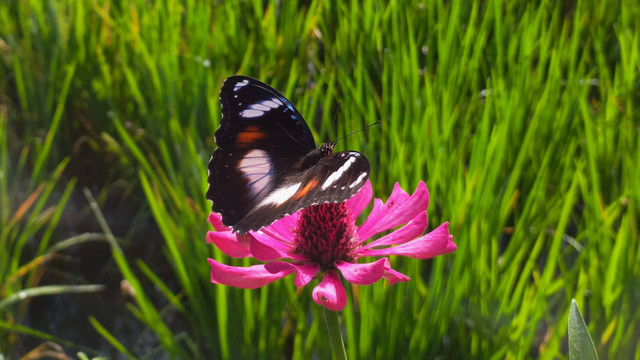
column 27, row 214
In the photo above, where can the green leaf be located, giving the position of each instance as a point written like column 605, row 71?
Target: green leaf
column 580, row 344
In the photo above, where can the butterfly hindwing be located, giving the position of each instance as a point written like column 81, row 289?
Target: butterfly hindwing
column 237, row 181
column 266, row 165
column 334, row 178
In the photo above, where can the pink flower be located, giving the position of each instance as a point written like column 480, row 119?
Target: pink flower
column 323, row 240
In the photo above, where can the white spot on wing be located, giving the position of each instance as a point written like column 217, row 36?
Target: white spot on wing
column 277, row 101
column 251, row 113
column 358, row 180
column 256, row 166
column 240, row 84
column 270, row 104
column 338, row 173
column 279, row 196
column 260, row 107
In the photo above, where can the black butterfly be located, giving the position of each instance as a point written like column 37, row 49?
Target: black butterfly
column 267, row 165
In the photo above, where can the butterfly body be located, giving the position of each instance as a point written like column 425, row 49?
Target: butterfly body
column 267, row 165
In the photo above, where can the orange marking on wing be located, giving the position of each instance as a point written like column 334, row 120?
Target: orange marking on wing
column 249, row 135
column 302, row 192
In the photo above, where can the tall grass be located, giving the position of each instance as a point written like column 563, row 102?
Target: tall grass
column 519, row 116
column 30, row 209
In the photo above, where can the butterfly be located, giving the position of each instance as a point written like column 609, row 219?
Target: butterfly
column 267, row 165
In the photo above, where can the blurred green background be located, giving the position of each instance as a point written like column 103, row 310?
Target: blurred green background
column 521, row 117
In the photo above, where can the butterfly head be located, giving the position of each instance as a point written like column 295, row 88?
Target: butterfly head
column 315, row 155
column 327, row 148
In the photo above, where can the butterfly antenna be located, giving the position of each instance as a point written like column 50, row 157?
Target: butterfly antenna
column 357, row 131
column 335, row 117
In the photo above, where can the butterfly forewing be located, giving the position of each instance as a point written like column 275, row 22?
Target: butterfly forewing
column 257, row 116
column 266, row 165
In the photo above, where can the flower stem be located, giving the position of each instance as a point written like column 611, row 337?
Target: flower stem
column 335, row 335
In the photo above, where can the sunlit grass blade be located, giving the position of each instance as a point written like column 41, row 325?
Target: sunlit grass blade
column 48, row 290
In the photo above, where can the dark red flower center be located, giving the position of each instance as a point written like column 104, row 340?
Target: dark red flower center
column 325, row 233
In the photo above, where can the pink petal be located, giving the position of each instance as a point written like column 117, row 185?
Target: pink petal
column 227, row 243
column 265, row 248
column 282, row 229
column 395, row 276
column 360, row 200
column 399, row 209
column 271, row 241
column 391, row 275
column 304, row 272
column 263, row 252
column 251, row 277
column 244, row 239
column 406, row 233
column 362, row 274
column 437, row 242
column 330, row 292
column 216, row 221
